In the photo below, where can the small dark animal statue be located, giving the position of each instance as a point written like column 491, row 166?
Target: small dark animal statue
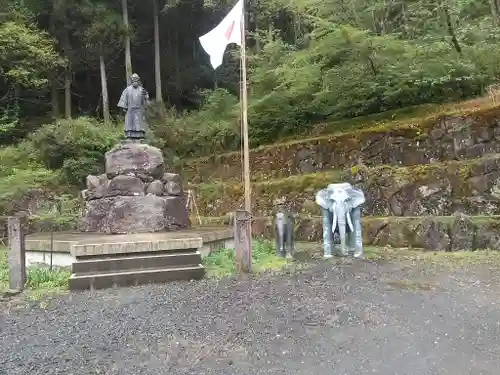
column 285, row 236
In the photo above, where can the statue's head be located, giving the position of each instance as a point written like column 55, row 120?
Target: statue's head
column 135, row 79
column 341, row 193
column 340, row 199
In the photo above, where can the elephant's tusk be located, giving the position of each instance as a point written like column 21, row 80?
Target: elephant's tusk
column 349, row 221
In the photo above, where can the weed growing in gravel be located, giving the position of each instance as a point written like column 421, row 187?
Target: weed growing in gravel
column 43, row 278
column 4, row 270
column 456, row 258
column 222, row 262
column 40, row 280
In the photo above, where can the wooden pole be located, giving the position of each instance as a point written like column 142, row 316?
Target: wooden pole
column 244, row 263
column 244, row 117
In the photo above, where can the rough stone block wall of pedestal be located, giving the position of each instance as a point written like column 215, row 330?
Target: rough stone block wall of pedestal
column 135, row 195
column 432, row 184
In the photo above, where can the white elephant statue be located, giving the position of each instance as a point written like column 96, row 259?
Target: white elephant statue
column 341, row 209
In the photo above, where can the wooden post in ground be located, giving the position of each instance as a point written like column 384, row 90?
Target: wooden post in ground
column 16, row 253
column 243, row 241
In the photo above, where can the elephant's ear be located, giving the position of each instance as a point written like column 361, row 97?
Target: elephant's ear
column 322, row 199
column 357, row 197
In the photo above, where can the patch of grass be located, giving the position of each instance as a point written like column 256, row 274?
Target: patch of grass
column 222, row 262
column 43, row 278
column 372, row 253
column 458, row 259
column 411, row 285
column 41, row 281
column 4, row 270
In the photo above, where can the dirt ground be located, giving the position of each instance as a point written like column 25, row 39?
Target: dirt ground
column 398, row 314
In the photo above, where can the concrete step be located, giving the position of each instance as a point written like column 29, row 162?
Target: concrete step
column 137, row 261
column 134, row 277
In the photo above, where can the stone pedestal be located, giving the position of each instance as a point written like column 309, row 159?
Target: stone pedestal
column 135, row 195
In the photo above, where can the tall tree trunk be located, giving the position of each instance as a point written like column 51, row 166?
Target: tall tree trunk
column 270, row 31
column 157, row 52
column 53, row 81
column 128, row 56
column 54, row 96
column 177, row 62
column 258, row 47
column 67, row 91
column 451, row 30
column 104, row 88
column 68, row 74
column 495, row 12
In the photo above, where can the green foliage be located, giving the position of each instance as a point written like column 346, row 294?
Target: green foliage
column 4, row 269
column 40, row 279
column 222, row 262
column 76, row 147
column 214, row 128
column 105, row 34
column 59, row 213
column 20, row 182
column 21, row 156
column 44, row 278
column 309, row 62
column 344, row 65
column 54, row 159
column 27, row 54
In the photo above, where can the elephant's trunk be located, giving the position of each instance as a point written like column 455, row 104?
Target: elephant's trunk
column 343, row 240
column 342, row 220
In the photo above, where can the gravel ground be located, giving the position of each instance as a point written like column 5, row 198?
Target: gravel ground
column 350, row 318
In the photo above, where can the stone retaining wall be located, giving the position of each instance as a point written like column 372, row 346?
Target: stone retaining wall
column 469, row 186
column 451, row 233
column 441, row 138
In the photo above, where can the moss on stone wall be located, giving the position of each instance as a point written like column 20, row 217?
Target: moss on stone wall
column 440, row 233
column 439, row 136
column 430, row 189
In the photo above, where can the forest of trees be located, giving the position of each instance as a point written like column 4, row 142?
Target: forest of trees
column 64, row 63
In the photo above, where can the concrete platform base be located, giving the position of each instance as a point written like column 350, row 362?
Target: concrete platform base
column 102, row 261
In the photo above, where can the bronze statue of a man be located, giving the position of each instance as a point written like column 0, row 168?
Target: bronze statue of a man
column 134, row 101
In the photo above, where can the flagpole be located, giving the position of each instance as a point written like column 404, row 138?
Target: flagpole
column 244, row 117
column 246, row 156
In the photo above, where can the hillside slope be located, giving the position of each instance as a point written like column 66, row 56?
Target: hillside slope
column 432, row 183
column 459, row 131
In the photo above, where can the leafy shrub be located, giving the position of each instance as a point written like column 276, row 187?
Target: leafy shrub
column 59, row 213
column 75, row 170
column 212, row 129
column 20, row 156
column 16, row 186
column 77, row 147
column 341, row 72
column 44, row 278
column 4, row 268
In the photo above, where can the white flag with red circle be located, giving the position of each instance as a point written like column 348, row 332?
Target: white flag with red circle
column 228, row 31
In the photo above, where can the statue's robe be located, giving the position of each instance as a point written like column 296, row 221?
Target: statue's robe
column 134, row 101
